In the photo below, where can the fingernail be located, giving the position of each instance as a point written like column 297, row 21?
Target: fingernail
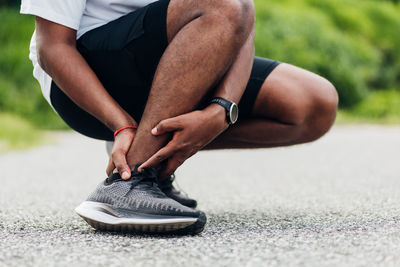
column 154, row 130
column 125, row 175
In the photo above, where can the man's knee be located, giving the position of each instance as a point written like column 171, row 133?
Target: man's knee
column 321, row 111
column 241, row 15
column 236, row 16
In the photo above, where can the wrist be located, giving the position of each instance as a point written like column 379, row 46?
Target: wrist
column 123, row 121
column 218, row 114
column 127, row 129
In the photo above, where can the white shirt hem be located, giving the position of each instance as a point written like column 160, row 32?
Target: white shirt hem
column 52, row 16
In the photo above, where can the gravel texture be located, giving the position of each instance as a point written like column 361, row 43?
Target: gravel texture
column 334, row 202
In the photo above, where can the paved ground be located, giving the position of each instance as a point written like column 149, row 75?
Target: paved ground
column 332, row 203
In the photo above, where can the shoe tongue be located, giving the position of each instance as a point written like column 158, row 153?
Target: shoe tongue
column 149, row 174
column 145, row 178
column 114, row 177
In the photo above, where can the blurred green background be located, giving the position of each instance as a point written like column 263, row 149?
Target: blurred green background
column 353, row 43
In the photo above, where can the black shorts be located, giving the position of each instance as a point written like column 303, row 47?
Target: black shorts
column 124, row 54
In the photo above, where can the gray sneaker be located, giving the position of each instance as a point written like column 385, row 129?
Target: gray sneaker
column 138, row 205
column 167, row 186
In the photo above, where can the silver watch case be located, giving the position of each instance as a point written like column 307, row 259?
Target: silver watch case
column 233, row 113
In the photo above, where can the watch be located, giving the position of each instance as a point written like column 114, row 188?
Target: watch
column 232, row 110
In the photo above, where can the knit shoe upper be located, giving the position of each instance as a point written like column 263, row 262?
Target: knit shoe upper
column 140, row 194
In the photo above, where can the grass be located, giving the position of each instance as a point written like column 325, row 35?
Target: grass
column 18, row 133
column 380, row 107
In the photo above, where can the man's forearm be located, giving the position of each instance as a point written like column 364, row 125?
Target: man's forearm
column 235, row 81
column 73, row 75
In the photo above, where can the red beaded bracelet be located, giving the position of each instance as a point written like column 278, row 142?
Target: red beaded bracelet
column 123, row 128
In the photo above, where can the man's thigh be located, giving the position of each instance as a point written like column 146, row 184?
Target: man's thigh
column 261, row 70
column 289, row 94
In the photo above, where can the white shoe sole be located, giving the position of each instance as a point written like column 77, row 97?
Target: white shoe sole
column 101, row 216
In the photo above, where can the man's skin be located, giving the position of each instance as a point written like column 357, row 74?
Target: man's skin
column 204, row 40
column 211, row 45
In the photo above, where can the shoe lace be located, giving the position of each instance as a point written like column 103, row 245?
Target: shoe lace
column 148, row 180
column 146, row 175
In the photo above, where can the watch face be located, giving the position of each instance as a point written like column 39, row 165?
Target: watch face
column 234, row 113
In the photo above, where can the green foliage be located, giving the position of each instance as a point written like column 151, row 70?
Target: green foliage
column 19, row 91
column 378, row 107
column 17, row 133
column 354, row 44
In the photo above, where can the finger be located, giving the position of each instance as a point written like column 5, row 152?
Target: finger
column 159, row 157
column 110, row 166
column 168, row 125
column 173, row 164
column 120, row 163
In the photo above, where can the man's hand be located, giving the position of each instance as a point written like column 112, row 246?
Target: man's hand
column 122, row 143
column 191, row 132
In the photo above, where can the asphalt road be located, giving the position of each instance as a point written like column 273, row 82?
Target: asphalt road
column 334, row 202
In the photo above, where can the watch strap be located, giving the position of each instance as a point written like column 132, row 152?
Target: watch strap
column 226, row 104
column 223, row 102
